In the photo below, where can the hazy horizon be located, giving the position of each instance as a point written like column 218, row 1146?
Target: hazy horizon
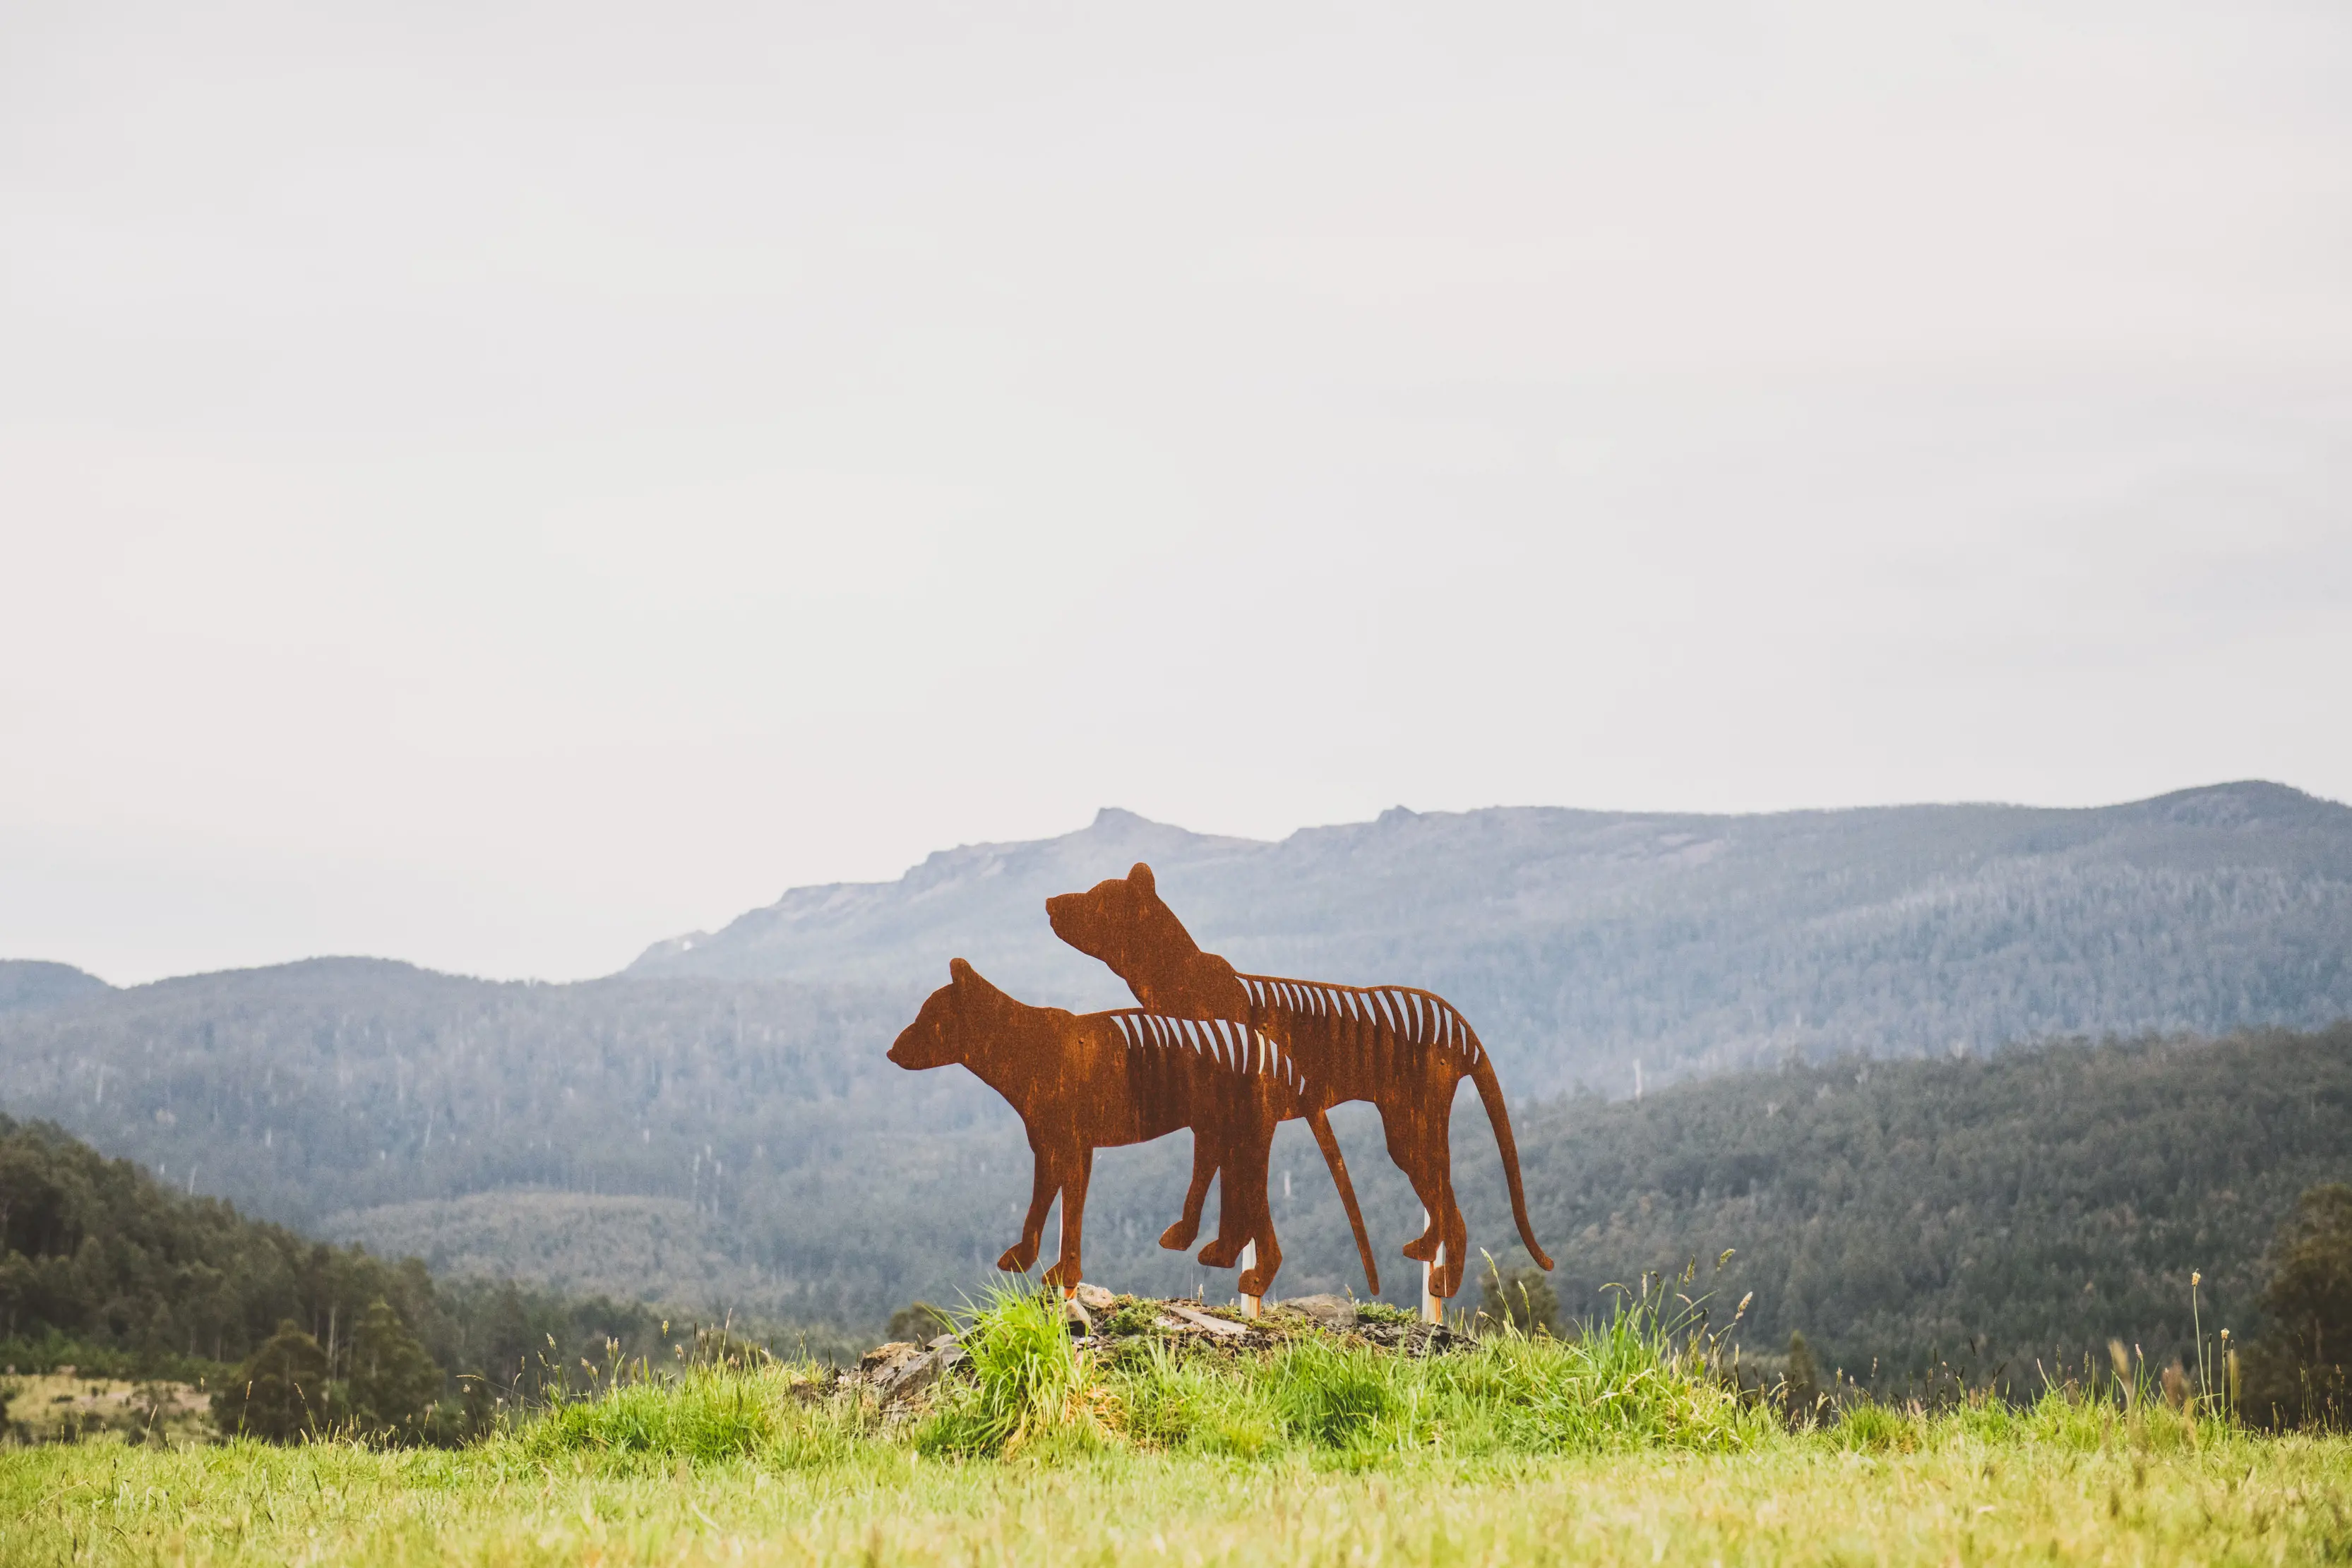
column 494, row 489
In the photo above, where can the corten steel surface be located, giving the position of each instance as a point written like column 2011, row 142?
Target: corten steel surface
column 1405, row 1050
column 1083, row 1082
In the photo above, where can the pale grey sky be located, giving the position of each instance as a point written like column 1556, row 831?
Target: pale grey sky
column 496, row 485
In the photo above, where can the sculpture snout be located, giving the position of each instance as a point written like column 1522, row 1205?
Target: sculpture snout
column 908, row 1050
column 935, row 1039
column 1070, row 917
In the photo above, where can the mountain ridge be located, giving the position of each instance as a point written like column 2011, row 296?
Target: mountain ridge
column 1589, row 937
column 29, row 983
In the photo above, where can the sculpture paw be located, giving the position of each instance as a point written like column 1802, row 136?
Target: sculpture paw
column 1014, row 1263
column 1179, row 1236
column 1256, row 1282
column 1220, row 1253
column 1422, row 1248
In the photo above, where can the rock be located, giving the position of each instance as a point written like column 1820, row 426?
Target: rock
column 1415, row 1339
column 1074, row 1313
column 1200, row 1322
column 1331, row 1311
column 1094, row 1298
column 884, row 1359
column 910, row 1377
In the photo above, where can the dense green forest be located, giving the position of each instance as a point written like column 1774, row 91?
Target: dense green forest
column 1987, row 1213
column 104, row 1269
column 697, row 1147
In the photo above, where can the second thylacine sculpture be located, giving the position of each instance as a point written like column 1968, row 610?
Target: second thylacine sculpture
column 1405, row 1049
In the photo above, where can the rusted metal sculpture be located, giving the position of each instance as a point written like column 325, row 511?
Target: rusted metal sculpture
column 1406, row 1051
column 1083, row 1082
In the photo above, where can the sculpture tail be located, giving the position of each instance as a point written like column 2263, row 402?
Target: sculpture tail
column 1320, row 1125
column 1482, row 1074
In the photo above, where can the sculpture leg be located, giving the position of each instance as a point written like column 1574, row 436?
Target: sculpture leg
column 1447, row 1278
column 1233, row 1205
column 1409, row 1148
column 1207, row 1155
column 1065, row 1272
column 1243, row 1128
column 1325, row 1139
column 1043, row 1179
column 1245, row 1176
column 1445, row 1215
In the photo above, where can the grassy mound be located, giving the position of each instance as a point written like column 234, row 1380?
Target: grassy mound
column 1015, row 1381
column 1019, row 1381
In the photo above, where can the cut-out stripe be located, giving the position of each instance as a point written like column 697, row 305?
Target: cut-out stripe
column 1224, row 1043
column 1369, row 1019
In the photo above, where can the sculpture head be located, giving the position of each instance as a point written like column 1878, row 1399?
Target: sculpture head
column 942, row 1033
column 1123, row 922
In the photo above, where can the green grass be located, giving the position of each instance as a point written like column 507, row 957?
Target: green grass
column 1631, row 1383
column 706, row 1413
column 1027, row 1379
column 1807, row 1499
column 1609, row 1392
column 1617, row 1446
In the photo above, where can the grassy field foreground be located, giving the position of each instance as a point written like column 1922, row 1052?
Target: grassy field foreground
column 1617, row 1446
column 1959, row 1499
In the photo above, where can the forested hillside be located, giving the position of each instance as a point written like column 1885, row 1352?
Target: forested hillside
column 340, row 1089
column 1993, row 1211
column 103, row 1267
column 722, row 1145
column 1580, row 942
column 94, row 1250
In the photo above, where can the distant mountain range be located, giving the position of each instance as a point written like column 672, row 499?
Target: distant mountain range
column 1579, row 942
column 718, row 1126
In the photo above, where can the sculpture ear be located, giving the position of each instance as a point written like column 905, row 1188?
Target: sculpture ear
column 959, row 971
column 1141, row 877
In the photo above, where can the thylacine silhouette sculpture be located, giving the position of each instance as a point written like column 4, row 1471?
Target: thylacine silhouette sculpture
column 1406, row 1051
column 1082, row 1081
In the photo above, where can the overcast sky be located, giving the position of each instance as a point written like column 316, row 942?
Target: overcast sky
column 495, row 486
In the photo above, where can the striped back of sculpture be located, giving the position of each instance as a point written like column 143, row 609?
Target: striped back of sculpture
column 1227, row 1044
column 1375, row 1031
